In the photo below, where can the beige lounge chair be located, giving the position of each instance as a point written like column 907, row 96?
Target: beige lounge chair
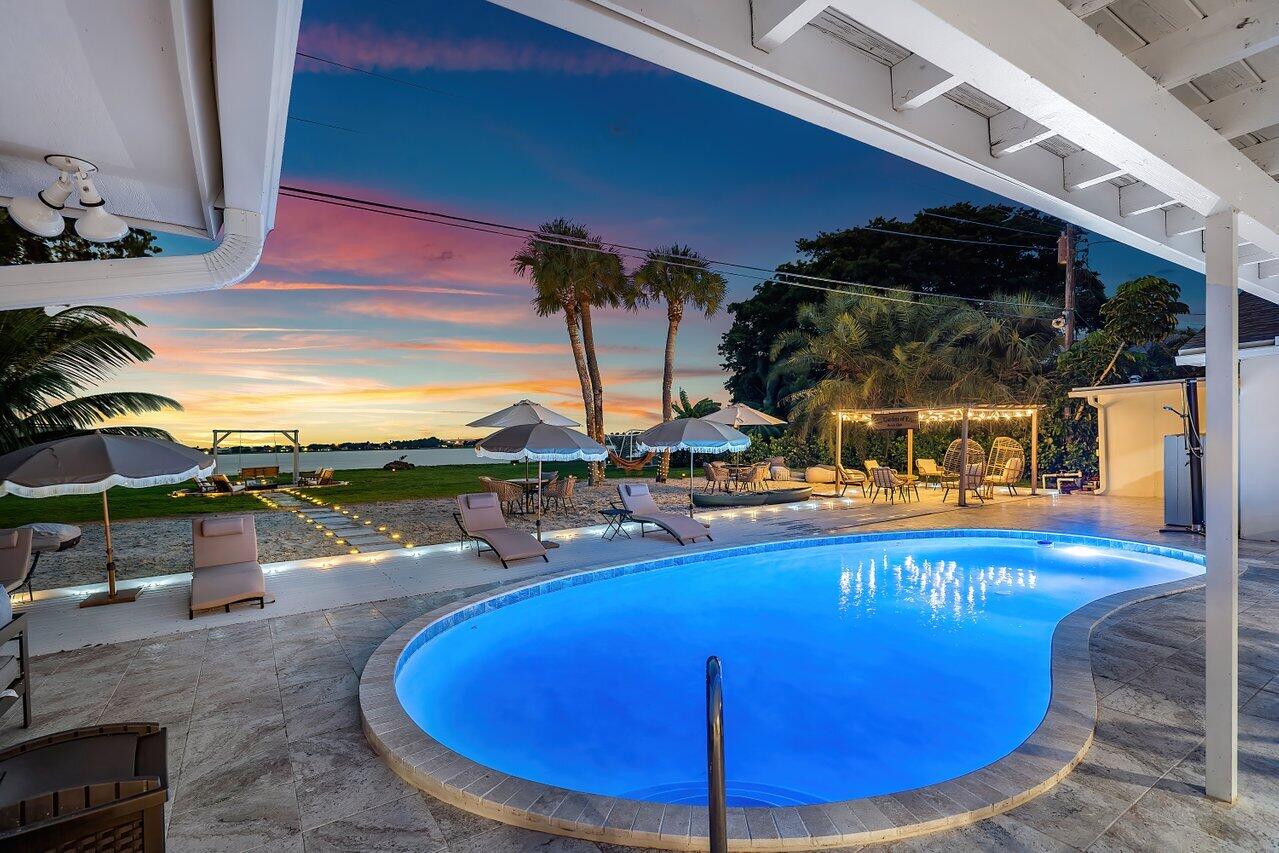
column 638, row 501
column 322, row 477
column 15, row 559
column 480, row 517
column 226, row 568
column 223, row 486
column 929, row 470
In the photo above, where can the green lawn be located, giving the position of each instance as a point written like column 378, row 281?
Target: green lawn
column 442, row 481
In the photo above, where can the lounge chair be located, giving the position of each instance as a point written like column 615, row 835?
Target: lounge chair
column 480, row 517
column 15, row 559
column 322, row 477
column 223, row 486
column 778, row 470
column 639, row 502
column 826, row 474
column 226, row 567
column 97, row 788
column 929, row 470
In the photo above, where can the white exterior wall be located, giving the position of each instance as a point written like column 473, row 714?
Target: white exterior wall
column 1131, row 425
column 1258, row 448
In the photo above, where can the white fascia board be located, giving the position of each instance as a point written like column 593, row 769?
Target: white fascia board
column 1041, row 60
column 193, row 46
column 1083, row 8
column 255, row 49
column 1244, row 111
column 1010, row 132
column 1136, row 199
column 85, row 282
column 1083, row 169
column 821, row 80
column 1252, row 254
column 1181, row 220
column 916, row 82
column 774, row 21
column 1234, row 33
column 1268, row 269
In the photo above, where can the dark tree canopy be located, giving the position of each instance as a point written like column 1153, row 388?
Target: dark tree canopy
column 22, row 247
column 926, row 266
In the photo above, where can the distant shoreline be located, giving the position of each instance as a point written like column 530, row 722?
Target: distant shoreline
column 231, row 462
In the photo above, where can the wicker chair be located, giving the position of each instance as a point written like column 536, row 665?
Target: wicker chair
column 952, row 461
column 888, row 483
column 100, row 788
column 1004, row 466
column 756, row 479
column 510, row 495
column 559, row 493
column 717, row 477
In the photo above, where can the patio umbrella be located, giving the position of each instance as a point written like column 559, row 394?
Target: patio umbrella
column 696, row 435
column 92, row 463
column 739, row 415
column 524, row 412
column 541, row 442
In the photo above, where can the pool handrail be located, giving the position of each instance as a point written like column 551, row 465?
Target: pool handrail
column 716, row 795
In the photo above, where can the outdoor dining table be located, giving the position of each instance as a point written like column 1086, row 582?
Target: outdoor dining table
column 530, row 486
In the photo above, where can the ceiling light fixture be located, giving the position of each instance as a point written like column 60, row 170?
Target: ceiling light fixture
column 42, row 214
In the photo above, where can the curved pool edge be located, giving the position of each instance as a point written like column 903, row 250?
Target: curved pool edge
column 1043, row 759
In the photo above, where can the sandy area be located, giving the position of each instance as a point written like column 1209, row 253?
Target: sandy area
column 148, row 547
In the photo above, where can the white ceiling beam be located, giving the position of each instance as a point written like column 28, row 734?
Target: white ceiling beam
column 1083, row 169
column 1229, row 35
column 916, row 82
column 1244, row 111
column 1083, row 8
column 1250, row 254
column 1044, row 62
column 774, row 21
column 1268, row 269
column 1181, row 220
column 1136, row 199
column 1265, row 155
column 1010, row 131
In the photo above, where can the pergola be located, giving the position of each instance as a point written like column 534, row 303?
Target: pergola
column 911, row 419
column 290, row 434
column 1155, row 124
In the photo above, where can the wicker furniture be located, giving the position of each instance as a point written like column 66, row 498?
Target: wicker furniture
column 888, row 483
column 1005, row 465
column 509, row 495
column 718, row 477
column 560, row 493
column 929, row 471
column 101, row 788
column 952, row 461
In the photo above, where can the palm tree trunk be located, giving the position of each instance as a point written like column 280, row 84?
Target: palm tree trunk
column 579, row 358
column 668, row 381
column 597, row 387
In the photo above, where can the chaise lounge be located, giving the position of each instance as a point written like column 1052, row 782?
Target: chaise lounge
column 639, row 502
column 226, row 569
column 480, row 517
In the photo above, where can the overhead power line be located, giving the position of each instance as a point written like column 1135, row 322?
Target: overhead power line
column 748, row 271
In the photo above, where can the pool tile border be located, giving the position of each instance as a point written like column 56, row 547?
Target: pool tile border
column 1043, row 759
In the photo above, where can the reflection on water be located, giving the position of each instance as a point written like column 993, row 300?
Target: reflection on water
column 953, row 593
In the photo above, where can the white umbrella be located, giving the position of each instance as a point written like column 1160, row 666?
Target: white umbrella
column 739, row 415
column 92, row 463
column 541, row 442
column 696, row 435
column 524, row 412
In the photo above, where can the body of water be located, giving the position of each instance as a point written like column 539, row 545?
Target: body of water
column 345, row 460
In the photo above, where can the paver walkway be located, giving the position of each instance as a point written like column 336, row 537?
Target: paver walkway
column 361, row 535
column 266, row 753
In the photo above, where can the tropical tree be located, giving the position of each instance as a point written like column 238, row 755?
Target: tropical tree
column 48, row 361
column 572, row 271
column 686, row 408
column 1142, row 311
column 678, row 277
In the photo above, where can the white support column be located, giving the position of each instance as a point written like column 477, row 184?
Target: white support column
column 1221, row 505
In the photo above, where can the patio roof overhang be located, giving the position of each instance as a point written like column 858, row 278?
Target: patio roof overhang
column 946, row 414
column 181, row 104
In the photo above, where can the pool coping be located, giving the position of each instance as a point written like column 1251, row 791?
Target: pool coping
column 1043, row 759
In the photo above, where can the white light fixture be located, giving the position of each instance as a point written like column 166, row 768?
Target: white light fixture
column 42, row 214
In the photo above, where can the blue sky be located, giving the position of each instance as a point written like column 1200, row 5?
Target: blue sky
column 356, row 326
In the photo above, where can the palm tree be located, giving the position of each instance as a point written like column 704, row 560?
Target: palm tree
column 686, row 408
column 677, row 276
column 571, row 271
column 47, row 360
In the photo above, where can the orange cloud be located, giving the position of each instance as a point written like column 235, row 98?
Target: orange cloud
column 478, row 315
column 269, row 284
column 471, row 345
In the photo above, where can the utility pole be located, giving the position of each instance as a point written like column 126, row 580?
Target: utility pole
column 1066, row 255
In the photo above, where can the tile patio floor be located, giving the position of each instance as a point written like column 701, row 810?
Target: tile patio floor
column 266, row 751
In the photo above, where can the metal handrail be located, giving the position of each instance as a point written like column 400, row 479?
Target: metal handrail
column 716, row 794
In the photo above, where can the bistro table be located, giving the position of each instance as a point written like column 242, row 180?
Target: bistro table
column 530, row 487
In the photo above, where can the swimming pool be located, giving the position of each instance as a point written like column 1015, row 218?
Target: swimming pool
column 853, row 667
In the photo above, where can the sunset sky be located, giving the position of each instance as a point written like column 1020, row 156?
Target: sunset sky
column 363, row 327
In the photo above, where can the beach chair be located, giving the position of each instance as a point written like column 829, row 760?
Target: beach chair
column 480, row 517
column 226, row 569
column 929, row 470
column 223, row 486
column 15, row 559
column 322, row 477
column 638, row 501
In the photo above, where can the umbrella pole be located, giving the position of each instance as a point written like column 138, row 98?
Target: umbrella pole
column 690, row 482
column 539, row 509
column 112, row 595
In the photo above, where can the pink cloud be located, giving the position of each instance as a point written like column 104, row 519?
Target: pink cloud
column 369, row 47
column 477, row 315
column 273, row 285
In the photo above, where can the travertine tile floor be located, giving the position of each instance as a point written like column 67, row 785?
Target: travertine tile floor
column 266, row 752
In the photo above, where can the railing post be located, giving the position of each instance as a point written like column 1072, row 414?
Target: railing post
column 716, row 795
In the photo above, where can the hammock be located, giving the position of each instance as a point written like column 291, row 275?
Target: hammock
column 632, row 465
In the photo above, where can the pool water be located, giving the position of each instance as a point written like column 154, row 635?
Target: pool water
column 850, row 669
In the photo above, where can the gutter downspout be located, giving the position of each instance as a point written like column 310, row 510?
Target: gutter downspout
column 81, row 282
column 1103, row 457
